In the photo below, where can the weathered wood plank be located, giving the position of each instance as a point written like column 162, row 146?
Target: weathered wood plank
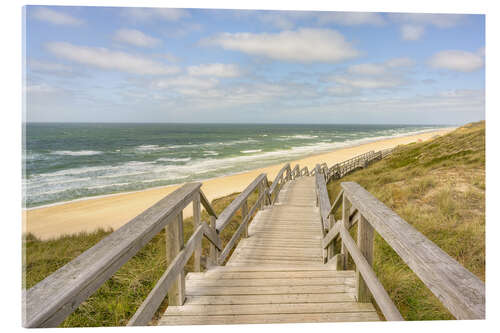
column 281, row 268
column 377, row 290
column 206, row 204
column 49, row 302
column 230, row 210
column 277, row 178
column 365, row 244
column 216, row 274
column 239, row 231
column 265, row 290
column 331, row 235
column 196, row 222
column 250, row 309
column 309, row 281
column 323, row 200
column 269, row 319
column 174, row 233
column 271, row 299
column 145, row 313
column 460, row 291
column 212, row 236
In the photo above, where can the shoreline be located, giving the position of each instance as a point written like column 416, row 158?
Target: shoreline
column 240, row 172
column 87, row 214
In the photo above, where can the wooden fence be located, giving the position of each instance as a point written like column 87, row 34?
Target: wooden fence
column 49, row 302
column 460, row 291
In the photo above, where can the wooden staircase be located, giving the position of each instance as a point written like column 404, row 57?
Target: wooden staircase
column 287, row 262
column 276, row 274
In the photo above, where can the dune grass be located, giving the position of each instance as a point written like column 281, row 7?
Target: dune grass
column 438, row 186
column 118, row 298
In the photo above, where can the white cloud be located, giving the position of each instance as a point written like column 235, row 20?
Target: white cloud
column 438, row 20
column 42, row 88
column 367, row 69
column 380, row 68
column 185, row 84
column 219, row 70
column 56, row 17
column 109, row 60
column 369, row 82
column 47, row 66
column 303, row 45
column 135, row 37
column 457, row 60
column 399, row 62
column 351, row 18
column 341, row 90
column 413, row 25
column 412, row 32
column 148, row 14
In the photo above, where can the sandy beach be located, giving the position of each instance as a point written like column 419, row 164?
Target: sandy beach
column 113, row 211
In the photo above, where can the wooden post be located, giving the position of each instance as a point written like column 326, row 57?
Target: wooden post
column 213, row 251
column 262, row 191
column 196, row 223
column 365, row 244
column 175, row 242
column 345, row 222
column 331, row 247
column 244, row 213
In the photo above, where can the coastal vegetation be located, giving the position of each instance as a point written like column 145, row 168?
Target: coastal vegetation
column 438, row 186
column 119, row 297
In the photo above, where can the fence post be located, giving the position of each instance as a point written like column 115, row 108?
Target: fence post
column 213, row 251
column 365, row 244
column 196, row 223
column 331, row 247
column 175, row 242
column 244, row 213
column 342, row 258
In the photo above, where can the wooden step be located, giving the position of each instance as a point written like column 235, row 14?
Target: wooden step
column 269, row 318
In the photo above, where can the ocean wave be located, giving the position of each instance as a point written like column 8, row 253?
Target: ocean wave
column 210, row 153
column 250, row 151
column 173, row 159
column 298, row 136
column 106, row 185
column 135, row 175
column 76, row 153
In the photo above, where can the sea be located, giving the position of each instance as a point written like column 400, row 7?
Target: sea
column 69, row 161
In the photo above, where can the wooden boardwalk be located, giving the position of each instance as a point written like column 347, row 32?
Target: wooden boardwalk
column 285, row 263
column 276, row 274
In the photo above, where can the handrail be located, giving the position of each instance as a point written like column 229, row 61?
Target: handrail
column 204, row 201
column 50, row 301
column 277, row 183
column 146, row 311
column 460, row 291
column 230, row 210
column 322, row 199
column 243, row 226
column 383, row 300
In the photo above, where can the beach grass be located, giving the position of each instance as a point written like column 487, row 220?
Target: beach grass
column 119, row 297
column 437, row 186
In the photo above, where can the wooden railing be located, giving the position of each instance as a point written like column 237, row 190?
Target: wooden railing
column 460, row 291
column 49, row 302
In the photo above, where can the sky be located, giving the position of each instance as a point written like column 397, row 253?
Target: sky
column 112, row 64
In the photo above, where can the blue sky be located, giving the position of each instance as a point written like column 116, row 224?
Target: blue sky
column 98, row 64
